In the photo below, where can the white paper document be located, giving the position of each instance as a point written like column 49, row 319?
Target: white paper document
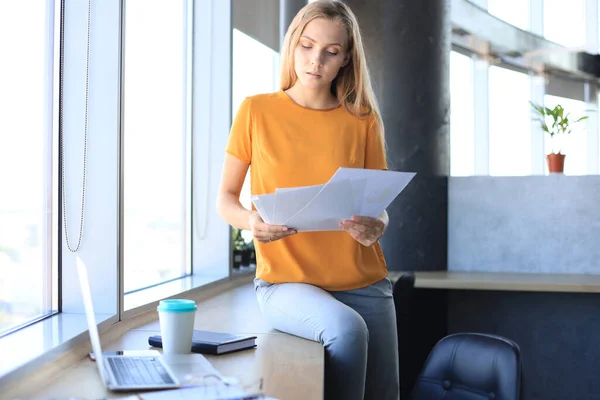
column 206, row 392
column 350, row 192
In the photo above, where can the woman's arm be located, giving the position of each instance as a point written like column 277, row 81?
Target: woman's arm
column 231, row 210
column 228, row 200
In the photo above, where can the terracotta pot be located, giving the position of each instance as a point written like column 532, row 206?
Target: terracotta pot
column 237, row 258
column 556, row 163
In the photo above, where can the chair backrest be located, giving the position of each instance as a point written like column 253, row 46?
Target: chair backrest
column 471, row 366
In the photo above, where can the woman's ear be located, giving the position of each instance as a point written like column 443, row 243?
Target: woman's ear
column 346, row 59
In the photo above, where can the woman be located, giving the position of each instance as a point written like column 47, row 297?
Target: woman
column 330, row 287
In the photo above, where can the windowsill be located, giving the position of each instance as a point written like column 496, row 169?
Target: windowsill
column 28, row 348
column 242, row 271
column 144, row 300
column 285, row 363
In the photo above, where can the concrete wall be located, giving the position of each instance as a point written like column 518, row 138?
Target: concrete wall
column 258, row 19
column 547, row 224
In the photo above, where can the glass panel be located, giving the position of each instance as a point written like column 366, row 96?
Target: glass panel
column 565, row 24
column 255, row 71
column 515, row 12
column 510, row 122
column 155, row 169
column 462, row 141
column 575, row 144
column 25, row 163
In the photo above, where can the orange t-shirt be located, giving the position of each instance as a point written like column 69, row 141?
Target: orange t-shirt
column 288, row 145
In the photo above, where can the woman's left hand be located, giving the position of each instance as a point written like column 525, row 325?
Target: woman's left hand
column 365, row 230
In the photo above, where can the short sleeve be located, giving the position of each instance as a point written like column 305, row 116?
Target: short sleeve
column 375, row 157
column 239, row 144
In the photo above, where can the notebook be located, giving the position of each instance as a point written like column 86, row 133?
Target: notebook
column 215, row 343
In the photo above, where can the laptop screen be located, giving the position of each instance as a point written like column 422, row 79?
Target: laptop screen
column 90, row 316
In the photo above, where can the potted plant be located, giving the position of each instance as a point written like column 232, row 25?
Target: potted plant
column 556, row 123
column 251, row 253
column 238, row 244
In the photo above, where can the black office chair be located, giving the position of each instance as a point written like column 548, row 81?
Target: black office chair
column 471, row 366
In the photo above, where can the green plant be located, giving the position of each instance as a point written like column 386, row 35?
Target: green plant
column 237, row 240
column 554, row 121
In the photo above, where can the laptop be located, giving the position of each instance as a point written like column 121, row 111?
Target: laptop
column 121, row 371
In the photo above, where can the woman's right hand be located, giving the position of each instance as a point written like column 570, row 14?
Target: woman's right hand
column 266, row 233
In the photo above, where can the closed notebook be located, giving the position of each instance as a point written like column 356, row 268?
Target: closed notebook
column 206, row 342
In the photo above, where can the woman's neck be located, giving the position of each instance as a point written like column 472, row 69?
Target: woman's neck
column 317, row 99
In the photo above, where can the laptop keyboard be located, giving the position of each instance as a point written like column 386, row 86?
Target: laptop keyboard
column 130, row 371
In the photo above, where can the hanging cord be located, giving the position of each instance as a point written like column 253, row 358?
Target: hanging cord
column 202, row 226
column 61, row 127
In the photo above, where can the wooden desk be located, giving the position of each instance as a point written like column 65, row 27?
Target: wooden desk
column 507, row 281
column 291, row 367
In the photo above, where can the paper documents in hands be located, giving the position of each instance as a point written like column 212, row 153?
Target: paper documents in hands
column 349, row 192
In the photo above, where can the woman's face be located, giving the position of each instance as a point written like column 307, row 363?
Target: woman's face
column 320, row 53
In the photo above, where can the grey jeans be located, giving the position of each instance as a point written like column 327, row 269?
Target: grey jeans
column 356, row 327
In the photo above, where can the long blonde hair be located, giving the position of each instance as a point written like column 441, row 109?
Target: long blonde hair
column 352, row 86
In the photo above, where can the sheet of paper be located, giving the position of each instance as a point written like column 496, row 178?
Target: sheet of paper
column 265, row 203
column 258, row 205
column 382, row 187
column 331, row 205
column 349, row 192
column 206, row 392
column 295, row 189
column 289, row 201
column 194, row 372
column 188, row 367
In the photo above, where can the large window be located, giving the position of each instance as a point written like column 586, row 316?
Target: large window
column 154, row 68
column 156, row 143
column 510, row 122
column 462, row 141
column 255, row 71
column 255, row 68
column 515, row 12
column 27, row 157
column 565, row 24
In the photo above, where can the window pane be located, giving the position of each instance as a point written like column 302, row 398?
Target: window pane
column 255, row 71
column 515, row 12
column 575, row 144
column 462, row 141
column 25, row 163
column 510, row 122
column 565, row 24
column 154, row 143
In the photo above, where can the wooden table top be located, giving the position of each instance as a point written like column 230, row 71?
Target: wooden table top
column 290, row 367
column 507, row 281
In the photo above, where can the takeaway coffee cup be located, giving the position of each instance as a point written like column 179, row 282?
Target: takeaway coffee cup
column 176, row 325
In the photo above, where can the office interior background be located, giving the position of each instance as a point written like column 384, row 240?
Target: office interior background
column 113, row 125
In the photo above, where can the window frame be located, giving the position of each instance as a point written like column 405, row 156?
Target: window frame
column 45, row 340
column 50, row 270
column 145, row 294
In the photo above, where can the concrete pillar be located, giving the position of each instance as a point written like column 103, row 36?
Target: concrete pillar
column 287, row 11
column 408, row 50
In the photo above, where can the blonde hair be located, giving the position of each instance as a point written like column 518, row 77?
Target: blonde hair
column 352, row 86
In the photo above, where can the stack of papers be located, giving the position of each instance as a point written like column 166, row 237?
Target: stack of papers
column 350, row 192
column 205, row 392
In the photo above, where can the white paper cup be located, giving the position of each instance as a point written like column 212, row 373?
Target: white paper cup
column 176, row 325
